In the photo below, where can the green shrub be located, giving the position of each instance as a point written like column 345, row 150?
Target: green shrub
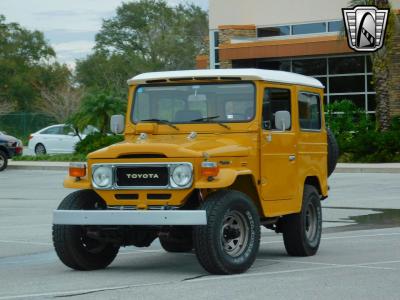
column 358, row 139
column 96, row 141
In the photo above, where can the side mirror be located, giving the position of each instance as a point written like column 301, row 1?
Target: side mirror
column 71, row 133
column 117, row 124
column 282, row 120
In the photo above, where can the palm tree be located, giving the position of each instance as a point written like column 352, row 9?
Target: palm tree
column 96, row 109
column 381, row 62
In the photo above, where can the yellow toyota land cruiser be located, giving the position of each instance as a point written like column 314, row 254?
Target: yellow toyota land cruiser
column 208, row 157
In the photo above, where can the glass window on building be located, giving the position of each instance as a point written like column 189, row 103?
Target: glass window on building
column 216, row 56
column 216, row 39
column 347, row 84
column 358, row 100
column 309, row 28
column 244, row 63
column 273, row 31
column 346, row 64
column 371, row 105
column 370, row 84
column 281, row 65
column 335, row 26
column 310, row 66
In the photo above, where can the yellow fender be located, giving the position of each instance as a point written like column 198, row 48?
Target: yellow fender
column 226, row 177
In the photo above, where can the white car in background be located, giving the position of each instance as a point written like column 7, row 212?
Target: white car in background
column 55, row 139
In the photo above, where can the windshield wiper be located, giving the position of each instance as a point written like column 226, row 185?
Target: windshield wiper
column 211, row 118
column 204, row 119
column 158, row 121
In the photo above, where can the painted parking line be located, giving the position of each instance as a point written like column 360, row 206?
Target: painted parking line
column 343, row 237
column 361, row 265
column 84, row 291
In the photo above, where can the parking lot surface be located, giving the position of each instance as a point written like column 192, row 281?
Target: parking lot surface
column 359, row 256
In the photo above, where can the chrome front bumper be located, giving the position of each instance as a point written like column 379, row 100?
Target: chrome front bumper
column 129, row 217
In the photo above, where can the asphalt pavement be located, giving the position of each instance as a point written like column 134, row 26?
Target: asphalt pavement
column 359, row 256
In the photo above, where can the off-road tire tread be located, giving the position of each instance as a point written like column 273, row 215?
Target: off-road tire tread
column 291, row 228
column 207, row 256
column 62, row 232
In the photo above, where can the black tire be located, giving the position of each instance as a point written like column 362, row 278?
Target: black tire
column 213, row 242
column 333, row 152
column 175, row 245
column 3, row 160
column 302, row 231
column 74, row 248
column 40, row 149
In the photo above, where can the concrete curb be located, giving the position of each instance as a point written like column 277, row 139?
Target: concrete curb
column 341, row 168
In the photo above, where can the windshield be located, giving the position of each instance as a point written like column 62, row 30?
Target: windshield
column 195, row 103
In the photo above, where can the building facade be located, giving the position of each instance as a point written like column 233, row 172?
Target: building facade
column 298, row 36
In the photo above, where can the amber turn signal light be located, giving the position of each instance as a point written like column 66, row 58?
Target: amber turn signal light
column 77, row 169
column 209, row 169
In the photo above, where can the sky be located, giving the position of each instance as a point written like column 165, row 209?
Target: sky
column 68, row 25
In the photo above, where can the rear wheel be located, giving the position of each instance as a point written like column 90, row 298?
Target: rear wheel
column 40, row 149
column 302, row 231
column 229, row 242
column 3, row 161
column 71, row 242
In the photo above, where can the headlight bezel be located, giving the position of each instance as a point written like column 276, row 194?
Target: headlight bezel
column 109, row 169
column 171, row 183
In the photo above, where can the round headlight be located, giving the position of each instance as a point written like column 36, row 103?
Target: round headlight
column 102, row 177
column 182, row 175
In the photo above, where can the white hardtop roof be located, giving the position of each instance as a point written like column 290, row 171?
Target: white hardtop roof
column 243, row 74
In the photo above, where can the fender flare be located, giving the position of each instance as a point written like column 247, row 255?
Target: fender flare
column 225, row 178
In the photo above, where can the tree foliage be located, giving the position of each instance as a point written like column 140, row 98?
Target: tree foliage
column 381, row 63
column 144, row 36
column 26, row 62
column 96, row 109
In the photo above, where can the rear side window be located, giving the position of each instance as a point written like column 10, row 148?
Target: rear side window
column 274, row 100
column 53, row 130
column 309, row 111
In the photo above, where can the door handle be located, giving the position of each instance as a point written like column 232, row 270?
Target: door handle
column 292, row 157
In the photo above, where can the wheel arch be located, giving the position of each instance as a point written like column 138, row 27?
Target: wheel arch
column 246, row 184
column 315, row 182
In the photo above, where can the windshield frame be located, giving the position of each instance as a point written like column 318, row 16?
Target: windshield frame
column 252, row 83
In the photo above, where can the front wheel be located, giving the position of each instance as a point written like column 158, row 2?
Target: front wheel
column 75, row 248
column 302, row 231
column 229, row 243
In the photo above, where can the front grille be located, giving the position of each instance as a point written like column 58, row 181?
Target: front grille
column 146, row 176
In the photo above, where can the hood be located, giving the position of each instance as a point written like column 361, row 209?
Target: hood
column 215, row 145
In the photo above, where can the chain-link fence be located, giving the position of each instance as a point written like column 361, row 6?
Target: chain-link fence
column 21, row 124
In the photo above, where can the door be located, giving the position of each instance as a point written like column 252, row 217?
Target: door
column 278, row 148
column 67, row 140
column 49, row 138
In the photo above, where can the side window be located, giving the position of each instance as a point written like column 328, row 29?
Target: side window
column 309, row 111
column 274, row 100
column 52, row 130
column 67, row 129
